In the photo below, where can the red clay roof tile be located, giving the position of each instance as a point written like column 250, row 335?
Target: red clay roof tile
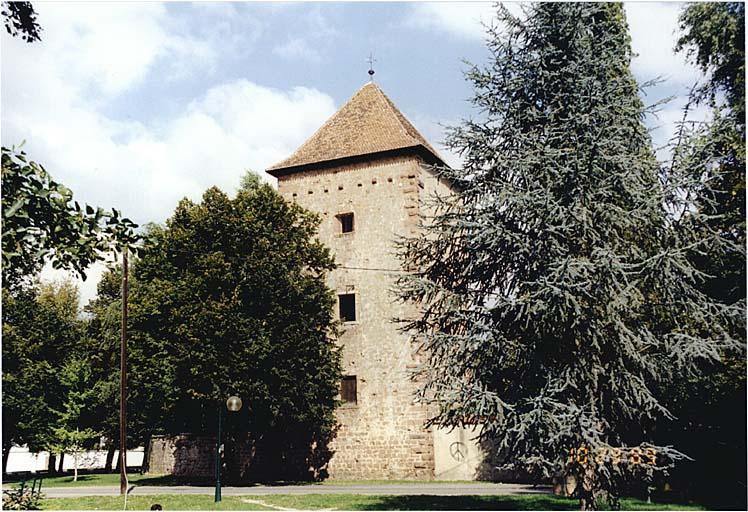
column 368, row 123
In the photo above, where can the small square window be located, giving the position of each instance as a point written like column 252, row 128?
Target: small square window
column 348, row 392
column 346, row 222
column 347, row 307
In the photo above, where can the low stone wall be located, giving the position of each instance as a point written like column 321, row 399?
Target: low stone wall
column 183, row 455
column 191, row 456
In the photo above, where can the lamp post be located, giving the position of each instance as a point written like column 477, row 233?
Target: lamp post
column 233, row 404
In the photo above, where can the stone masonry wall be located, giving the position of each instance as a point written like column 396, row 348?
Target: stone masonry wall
column 186, row 455
column 181, row 455
column 383, row 434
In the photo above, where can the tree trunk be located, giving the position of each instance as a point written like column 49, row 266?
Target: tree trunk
column 588, row 489
column 145, row 467
column 51, row 464
column 6, row 456
column 75, row 467
column 62, row 462
column 109, row 457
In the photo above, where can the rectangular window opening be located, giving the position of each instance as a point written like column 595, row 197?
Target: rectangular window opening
column 348, row 393
column 346, row 222
column 347, row 307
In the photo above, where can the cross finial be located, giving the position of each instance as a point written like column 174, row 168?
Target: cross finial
column 371, row 60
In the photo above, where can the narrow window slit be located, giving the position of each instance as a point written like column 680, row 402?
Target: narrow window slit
column 347, row 307
column 348, row 389
column 346, row 222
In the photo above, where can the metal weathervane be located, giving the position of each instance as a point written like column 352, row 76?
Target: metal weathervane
column 371, row 60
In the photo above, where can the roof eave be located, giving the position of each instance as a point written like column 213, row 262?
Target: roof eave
column 418, row 149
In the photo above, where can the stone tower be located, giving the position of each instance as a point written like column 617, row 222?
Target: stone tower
column 362, row 171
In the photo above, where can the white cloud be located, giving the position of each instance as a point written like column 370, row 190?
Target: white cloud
column 95, row 44
column 55, row 95
column 463, row 19
column 144, row 171
column 318, row 32
column 297, row 48
column 654, row 31
column 653, row 28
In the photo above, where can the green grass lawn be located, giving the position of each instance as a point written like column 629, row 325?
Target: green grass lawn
column 167, row 501
column 340, row 502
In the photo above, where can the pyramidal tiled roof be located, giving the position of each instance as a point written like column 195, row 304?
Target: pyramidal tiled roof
column 368, row 123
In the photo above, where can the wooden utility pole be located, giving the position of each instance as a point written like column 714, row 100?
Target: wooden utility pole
column 123, row 384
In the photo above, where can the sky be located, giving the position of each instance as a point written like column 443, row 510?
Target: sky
column 135, row 105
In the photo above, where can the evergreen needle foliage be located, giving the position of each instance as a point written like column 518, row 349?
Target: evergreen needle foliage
column 711, row 407
column 556, row 287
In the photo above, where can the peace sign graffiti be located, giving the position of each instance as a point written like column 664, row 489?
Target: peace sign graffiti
column 458, row 451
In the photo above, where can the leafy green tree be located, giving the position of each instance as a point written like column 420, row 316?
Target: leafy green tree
column 102, row 350
column 41, row 330
column 556, row 289
column 250, row 180
column 20, row 20
column 22, row 392
column 230, row 298
column 41, row 221
column 69, row 435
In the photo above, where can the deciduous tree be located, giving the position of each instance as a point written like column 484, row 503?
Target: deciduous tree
column 20, row 20
column 230, row 298
column 42, row 222
column 69, row 434
column 41, row 330
column 102, row 350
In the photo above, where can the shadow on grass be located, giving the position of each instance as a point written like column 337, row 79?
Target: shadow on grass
column 417, row 502
column 15, row 478
column 169, row 480
column 509, row 502
column 100, row 477
column 84, row 475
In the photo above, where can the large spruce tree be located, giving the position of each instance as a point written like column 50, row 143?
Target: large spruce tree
column 555, row 286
